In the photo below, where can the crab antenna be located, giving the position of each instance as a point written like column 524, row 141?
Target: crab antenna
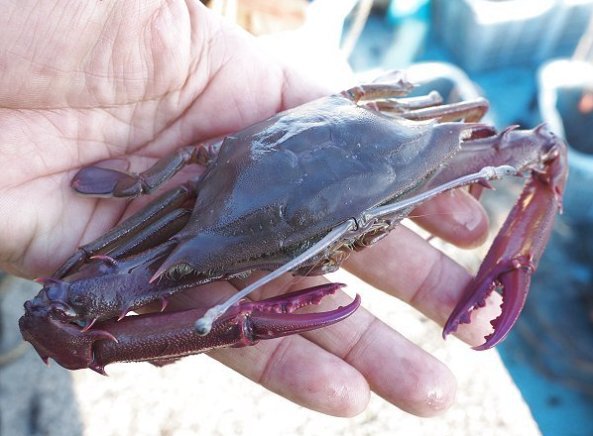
column 485, row 174
column 204, row 324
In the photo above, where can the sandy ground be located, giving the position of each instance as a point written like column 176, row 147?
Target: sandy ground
column 200, row 396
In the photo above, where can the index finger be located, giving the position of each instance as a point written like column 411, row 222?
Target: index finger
column 406, row 266
column 455, row 216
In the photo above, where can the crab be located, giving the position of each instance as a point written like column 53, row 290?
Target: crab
column 295, row 193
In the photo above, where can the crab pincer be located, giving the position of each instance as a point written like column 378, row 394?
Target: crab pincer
column 163, row 337
column 515, row 252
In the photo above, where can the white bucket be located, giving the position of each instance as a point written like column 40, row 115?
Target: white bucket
column 557, row 80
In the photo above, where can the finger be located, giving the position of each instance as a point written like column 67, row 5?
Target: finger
column 395, row 368
column 292, row 366
column 454, row 216
column 406, row 266
column 302, row 372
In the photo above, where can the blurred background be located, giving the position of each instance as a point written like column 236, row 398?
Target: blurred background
column 533, row 60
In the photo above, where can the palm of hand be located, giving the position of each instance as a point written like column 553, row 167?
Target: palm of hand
column 75, row 93
column 127, row 80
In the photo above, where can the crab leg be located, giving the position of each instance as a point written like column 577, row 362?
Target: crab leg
column 162, row 216
column 481, row 177
column 470, row 111
column 429, row 107
column 397, row 87
column 401, row 105
column 105, row 288
column 103, row 182
column 166, row 336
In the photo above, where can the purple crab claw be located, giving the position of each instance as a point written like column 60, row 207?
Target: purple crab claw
column 163, row 337
column 515, row 252
column 64, row 342
column 274, row 318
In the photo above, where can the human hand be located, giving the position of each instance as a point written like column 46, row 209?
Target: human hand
column 135, row 81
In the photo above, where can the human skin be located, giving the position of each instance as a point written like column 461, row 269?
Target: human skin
column 134, row 80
